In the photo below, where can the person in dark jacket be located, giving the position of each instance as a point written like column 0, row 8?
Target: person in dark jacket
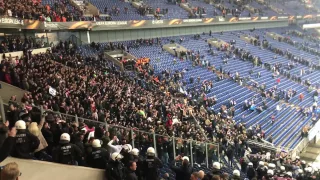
column 139, row 162
column 127, row 157
column 114, row 168
column 184, row 172
column 7, row 141
column 131, row 175
column 98, row 157
column 26, row 143
column 216, row 166
column 251, row 173
column 66, row 152
column 151, row 165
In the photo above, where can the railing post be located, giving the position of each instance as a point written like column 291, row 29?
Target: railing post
column 77, row 120
column 191, row 153
column 218, row 152
column 174, row 147
column 155, row 144
column 207, row 157
column 107, row 126
column 2, row 113
column 41, row 111
column 132, row 138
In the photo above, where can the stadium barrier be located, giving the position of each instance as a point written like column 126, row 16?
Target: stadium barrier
column 39, row 170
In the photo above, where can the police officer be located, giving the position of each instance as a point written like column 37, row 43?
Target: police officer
column 66, row 153
column 98, row 157
column 216, row 166
column 300, row 175
column 127, row 157
column 261, row 171
column 139, row 162
column 26, row 143
column 115, row 169
column 184, row 172
column 151, row 165
column 251, row 173
column 282, row 171
column 236, row 175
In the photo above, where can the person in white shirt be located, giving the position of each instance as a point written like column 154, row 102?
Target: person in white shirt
column 114, row 148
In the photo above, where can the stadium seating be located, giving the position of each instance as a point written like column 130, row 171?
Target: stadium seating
column 285, row 131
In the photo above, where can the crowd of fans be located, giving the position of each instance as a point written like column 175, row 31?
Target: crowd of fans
column 61, row 11
column 94, row 88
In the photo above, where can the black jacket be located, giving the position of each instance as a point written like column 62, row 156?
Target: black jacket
column 26, row 144
column 151, row 168
column 6, row 147
column 251, row 173
column 131, row 175
column 114, row 170
column 66, row 154
column 98, row 158
column 183, row 172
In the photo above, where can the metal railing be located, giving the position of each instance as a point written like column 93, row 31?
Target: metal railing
column 198, row 152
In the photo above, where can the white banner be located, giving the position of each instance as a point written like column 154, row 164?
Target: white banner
column 52, row 91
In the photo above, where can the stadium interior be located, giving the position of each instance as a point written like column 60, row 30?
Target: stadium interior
column 159, row 89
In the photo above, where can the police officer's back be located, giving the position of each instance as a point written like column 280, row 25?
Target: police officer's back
column 99, row 156
column 115, row 169
column 66, row 152
column 151, row 165
column 26, row 143
column 251, row 173
column 184, row 172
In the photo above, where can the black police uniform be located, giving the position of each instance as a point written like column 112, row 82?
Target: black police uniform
column 26, row 143
column 98, row 158
column 66, row 154
column 115, row 170
column 151, row 167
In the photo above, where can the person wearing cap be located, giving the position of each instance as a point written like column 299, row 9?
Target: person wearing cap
column 236, row 175
column 114, row 168
column 151, row 165
column 98, row 157
column 26, row 143
column 183, row 172
column 251, row 173
column 66, row 152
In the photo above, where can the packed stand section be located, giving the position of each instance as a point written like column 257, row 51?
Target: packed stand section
column 49, row 11
column 17, row 43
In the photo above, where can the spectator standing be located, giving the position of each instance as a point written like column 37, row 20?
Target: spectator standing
column 131, row 175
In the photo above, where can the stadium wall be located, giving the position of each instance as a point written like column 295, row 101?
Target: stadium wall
column 137, row 33
column 125, row 34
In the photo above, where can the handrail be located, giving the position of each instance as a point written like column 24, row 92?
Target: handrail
column 109, row 125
